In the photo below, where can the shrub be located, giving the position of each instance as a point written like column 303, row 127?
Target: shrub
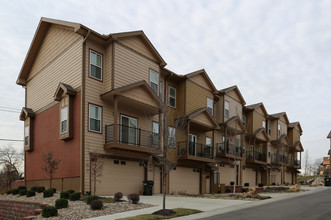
column 134, row 198
column 96, row 205
column 260, row 185
column 246, row 184
column 70, row 191
column 30, row 193
column 118, row 196
column 227, row 190
column 231, row 183
column 53, row 189
column 273, row 184
column 23, row 192
column 41, row 189
column 91, row 198
column 8, row 192
column 15, row 191
column 61, row 203
column 64, row 195
column 35, row 188
column 21, row 187
column 48, row 193
column 49, row 211
column 244, row 190
column 74, row 196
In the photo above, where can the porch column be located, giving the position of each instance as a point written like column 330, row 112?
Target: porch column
column 115, row 118
column 187, row 137
column 160, row 130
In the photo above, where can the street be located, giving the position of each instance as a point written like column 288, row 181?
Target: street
column 312, row 206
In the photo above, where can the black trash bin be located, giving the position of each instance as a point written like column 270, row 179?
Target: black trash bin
column 327, row 182
column 148, row 187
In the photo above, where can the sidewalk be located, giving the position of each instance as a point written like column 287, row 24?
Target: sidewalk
column 209, row 207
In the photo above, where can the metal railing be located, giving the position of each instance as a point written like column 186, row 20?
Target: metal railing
column 278, row 158
column 296, row 163
column 224, row 148
column 257, row 156
column 195, row 149
column 132, row 136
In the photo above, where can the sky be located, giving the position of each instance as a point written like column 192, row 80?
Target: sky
column 276, row 52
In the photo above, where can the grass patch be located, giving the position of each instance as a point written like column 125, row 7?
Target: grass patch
column 179, row 212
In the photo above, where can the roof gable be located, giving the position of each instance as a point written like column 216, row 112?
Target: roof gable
column 201, row 77
column 257, row 107
column 63, row 89
column 234, row 92
column 329, row 136
column 26, row 112
column 296, row 125
column 202, row 116
column 281, row 116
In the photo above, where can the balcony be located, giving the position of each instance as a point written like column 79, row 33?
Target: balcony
column 295, row 164
column 278, row 159
column 228, row 150
column 256, row 157
column 196, row 151
column 131, row 139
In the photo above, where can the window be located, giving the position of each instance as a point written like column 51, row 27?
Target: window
column 94, row 118
column 172, row 97
column 269, row 128
column 154, row 79
column 263, row 124
column 226, row 109
column 155, row 135
column 278, row 129
column 210, row 105
column 171, row 137
column 95, row 65
column 161, row 91
column 64, row 119
column 243, row 119
column 26, row 135
column 209, row 148
column 128, row 130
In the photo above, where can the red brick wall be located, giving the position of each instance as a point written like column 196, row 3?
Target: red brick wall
column 46, row 139
column 17, row 209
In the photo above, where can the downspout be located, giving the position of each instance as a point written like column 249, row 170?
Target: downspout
column 82, row 151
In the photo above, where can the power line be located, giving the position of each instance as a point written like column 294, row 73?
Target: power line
column 4, row 139
column 10, row 108
column 12, row 111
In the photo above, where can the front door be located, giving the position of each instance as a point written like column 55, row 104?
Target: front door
column 128, row 130
column 192, row 144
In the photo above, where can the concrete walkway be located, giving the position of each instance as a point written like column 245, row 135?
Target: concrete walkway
column 209, row 207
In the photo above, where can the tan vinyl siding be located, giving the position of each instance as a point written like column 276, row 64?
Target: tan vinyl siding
column 274, row 129
column 257, row 120
column 235, row 107
column 200, row 80
column 107, row 68
column 137, row 44
column 233, row 95
column 196, row 97
column 56, row 41
column 140, row 95
column 66, row 68
column 283, row 127
column 220, row 110
column 131, row 67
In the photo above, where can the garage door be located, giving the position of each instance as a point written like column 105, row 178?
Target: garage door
column 120, row 176
column 184, row 180
column 157, row 181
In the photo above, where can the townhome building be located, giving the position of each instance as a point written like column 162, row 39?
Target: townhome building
column 109, row 98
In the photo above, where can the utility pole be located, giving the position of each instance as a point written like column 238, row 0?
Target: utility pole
column 329, row 137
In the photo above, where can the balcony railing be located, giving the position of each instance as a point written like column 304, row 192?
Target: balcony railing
column 256, row 156
column 223, row 148
column 195, row 149
column 278, row 158
column 132, row 136
column 295, row 163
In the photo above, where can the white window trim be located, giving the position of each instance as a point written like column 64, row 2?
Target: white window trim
column 64, row 119
column 212, row 105
column 158, row 80
column 89, row 127
column 169, row 96
column 90, row 73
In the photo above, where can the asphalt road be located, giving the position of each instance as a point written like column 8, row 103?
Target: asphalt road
column 306, row 207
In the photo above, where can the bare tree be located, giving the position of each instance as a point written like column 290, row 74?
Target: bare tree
column 307, row 165
column 11, row 161
column 50, row 167
column 96, row 168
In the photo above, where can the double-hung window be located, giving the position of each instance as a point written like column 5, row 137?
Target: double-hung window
column 210, row 105
column 171, row 136
column 155, row 137
column 94, row 118
column 226, row 109
column 263, row 124
column 64, row 119
column 269, row 128
column 172, row 97
column 243, row 119
column 26, row 135
column 278, row 129
column 154, row 80
column 95, row 65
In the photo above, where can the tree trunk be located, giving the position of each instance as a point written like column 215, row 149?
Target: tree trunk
column 164, row 186
column 95, row 185
column 50, row 183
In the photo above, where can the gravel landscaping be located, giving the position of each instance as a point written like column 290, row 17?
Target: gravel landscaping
column 78, row 209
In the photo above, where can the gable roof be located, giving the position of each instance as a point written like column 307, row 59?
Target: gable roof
column 63, row 88
column 237, row 91
column 42, row 29
column 26, row 112
column 197, row 112
column 255, row 106
column 234, row 119
column 204, row 74
column 280, row 114
column 259, row 131
column 298, row 146
column 294, row 124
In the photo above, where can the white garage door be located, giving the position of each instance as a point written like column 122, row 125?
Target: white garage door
column 120, row 176
column 184, row 180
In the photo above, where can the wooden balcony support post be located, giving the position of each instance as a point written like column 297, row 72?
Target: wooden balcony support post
column 188, row 137
column 115, row 139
